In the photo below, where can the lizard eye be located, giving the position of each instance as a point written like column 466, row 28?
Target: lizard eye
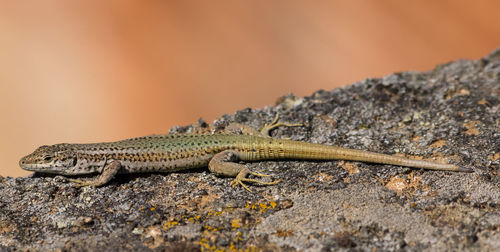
column 47, row 158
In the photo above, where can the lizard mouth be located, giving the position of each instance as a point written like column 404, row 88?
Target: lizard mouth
column 26, row 164
column 31, row 167
column 53, row 167
column 40, row 168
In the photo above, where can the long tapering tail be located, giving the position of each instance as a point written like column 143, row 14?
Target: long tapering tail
column 302, row 150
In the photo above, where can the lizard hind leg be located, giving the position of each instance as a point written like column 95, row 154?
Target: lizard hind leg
column 238, row 128
column 223, row 164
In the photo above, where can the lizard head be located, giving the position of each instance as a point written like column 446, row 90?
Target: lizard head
column 57, row 159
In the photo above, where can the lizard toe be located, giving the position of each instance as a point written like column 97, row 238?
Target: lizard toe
column 81, row 183
column 238, row 181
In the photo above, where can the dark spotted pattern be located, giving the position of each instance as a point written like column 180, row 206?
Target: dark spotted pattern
column 166, row 153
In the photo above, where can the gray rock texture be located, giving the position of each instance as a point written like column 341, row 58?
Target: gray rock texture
column 451, row 113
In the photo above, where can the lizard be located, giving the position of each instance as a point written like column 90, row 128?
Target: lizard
column 221, row 152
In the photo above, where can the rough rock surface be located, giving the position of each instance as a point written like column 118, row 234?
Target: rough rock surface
column 451, row 113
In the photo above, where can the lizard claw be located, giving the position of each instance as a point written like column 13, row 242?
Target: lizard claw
column 258, row 174
column 237, row 181
column 274, row 124
column 241, row 178
column 82, row 183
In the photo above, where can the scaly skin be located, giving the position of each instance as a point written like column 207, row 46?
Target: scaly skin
column 169, row 153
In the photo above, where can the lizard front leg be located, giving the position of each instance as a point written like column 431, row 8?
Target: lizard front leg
column 223, row 164
column 108, row 172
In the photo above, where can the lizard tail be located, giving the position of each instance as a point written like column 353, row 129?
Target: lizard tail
column 300, row 150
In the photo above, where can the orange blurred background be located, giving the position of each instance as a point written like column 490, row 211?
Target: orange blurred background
column 89, row 71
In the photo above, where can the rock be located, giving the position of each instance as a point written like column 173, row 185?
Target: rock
column 451, row 113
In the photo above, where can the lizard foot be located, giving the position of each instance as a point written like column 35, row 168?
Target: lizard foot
column 82, row 183
column 241, row 179
column 274, row 124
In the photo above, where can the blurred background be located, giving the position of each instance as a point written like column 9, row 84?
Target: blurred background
column 91, row 71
